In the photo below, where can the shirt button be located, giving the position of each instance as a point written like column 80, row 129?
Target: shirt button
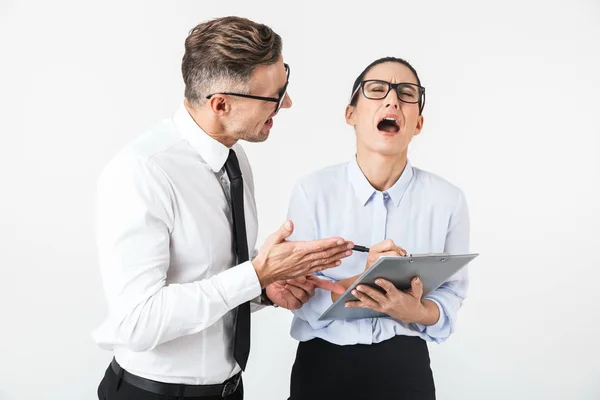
column 385, row 195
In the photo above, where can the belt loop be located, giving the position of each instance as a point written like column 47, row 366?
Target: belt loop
column 181, row 391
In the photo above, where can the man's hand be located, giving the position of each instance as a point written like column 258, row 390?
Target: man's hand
column 293, row 293
column 279, row 259
column 403, row 306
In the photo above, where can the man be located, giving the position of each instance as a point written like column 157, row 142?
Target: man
column 176, row 221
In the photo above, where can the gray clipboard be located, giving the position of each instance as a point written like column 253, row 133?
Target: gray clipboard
column 432, row 269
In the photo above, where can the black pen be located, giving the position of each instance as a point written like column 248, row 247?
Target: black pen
column 360, row 248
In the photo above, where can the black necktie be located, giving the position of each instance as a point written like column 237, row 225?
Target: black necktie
column 241, row 341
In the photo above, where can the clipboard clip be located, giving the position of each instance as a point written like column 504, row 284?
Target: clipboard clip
column 443, row 255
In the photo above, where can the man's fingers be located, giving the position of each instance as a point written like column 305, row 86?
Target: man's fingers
column 303, row 284
column 285, row 231
column 329, row 256
column 323, row 248
column 300, row 279
column 292, row 302
column 289, row 300
column 298, row 293
column 327, row 285
column 323, row 266
column 294, row 305
column 281, row 234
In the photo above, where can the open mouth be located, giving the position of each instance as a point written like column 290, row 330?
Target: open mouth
column 388, row 124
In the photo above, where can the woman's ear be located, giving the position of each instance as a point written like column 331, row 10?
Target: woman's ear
column 350, row 115
column 419, row 126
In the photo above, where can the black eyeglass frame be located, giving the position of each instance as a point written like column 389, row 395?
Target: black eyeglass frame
column 395, row 86
column 278, row 100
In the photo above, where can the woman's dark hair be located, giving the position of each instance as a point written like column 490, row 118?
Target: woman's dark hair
column 361, row 77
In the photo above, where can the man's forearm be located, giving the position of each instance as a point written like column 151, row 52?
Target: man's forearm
column 182, row 309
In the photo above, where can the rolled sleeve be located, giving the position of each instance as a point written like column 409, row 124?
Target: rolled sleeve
column 450, row 295
column 441, row 329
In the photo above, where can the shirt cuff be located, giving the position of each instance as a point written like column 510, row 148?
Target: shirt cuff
column 432, row 329
column 256, row 304
column 238, row 284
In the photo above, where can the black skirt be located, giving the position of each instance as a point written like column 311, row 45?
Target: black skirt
column 398, row 368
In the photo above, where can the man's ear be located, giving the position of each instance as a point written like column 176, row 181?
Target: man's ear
column 350, row 115
column 419, row 126
column 219, row 104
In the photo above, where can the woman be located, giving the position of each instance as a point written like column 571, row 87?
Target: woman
column 378, row 199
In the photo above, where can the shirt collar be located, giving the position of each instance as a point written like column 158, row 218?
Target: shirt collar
column 212, row 151
column 364, row 191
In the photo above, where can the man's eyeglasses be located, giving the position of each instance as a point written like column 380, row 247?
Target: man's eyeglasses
column 278, row 100
column 407, row 92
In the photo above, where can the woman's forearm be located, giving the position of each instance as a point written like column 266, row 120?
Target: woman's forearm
column 346, row 284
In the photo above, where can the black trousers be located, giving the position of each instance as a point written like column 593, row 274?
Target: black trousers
column 111, row 389
column 398, row 369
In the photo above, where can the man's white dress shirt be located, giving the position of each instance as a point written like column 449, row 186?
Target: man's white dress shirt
column 166, row 255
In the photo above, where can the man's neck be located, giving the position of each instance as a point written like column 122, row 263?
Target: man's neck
column 381, row 171
column 209, row 126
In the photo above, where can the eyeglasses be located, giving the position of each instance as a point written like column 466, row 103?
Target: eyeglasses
column 278, row 100
column 407, row 92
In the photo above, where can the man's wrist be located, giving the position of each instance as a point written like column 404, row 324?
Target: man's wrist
column 265, row 300
column 258, row 265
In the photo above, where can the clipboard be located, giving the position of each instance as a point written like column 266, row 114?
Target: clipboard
column 432, row 269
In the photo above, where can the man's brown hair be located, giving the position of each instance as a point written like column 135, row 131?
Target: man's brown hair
column 221, row 54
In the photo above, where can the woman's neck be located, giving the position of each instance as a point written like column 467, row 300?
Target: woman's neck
column 381, row 171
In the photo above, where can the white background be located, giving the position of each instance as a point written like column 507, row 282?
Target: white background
column 511, row 117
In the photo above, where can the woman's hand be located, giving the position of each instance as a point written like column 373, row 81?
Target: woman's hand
column 385, row 248
column 405, row 306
